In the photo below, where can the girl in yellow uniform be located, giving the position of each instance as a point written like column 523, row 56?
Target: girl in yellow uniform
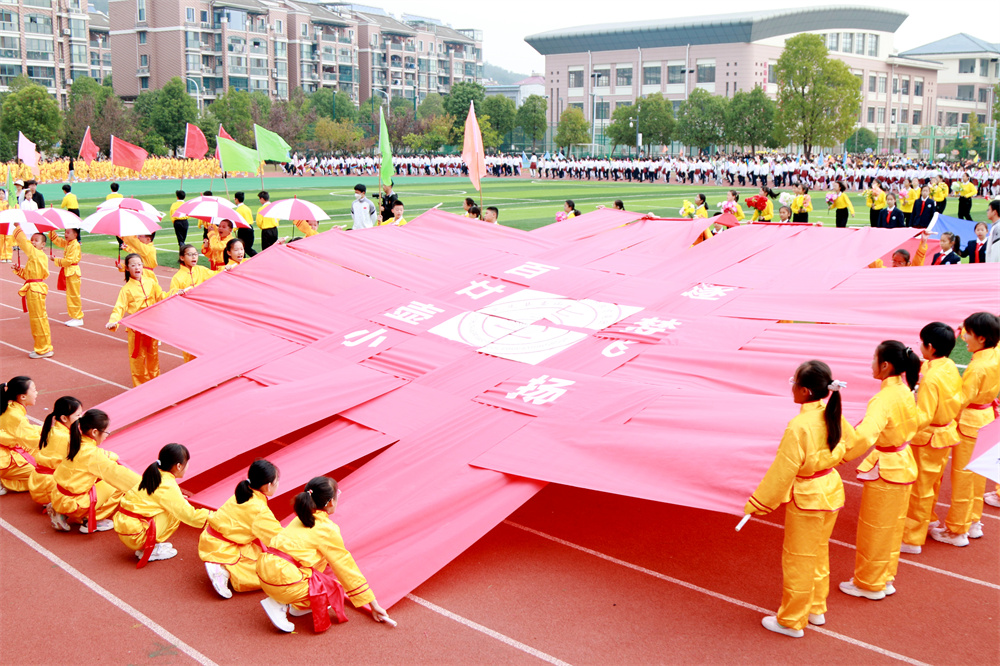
column 34, row 290
column 91, row 481
column 215, row 243
column 890, row 423
column 980, row 385
column 151, row 512
column 236, row 535
column 733, row 197
column 234, row 254
column 910, row 197
column 767, row 214
column 18, row 436
column 307, row 227
column 939, row 192
column 59, row 430
column 190, row 274
column 801, row 204
column 140, row 291
column 142, row 246
column 69, row 273
column 875, row 199
column 6, row 241
column 965, row 193
column 701, row 206
column 938, row 401
column 842, row 204
column 296, row 569
column 803, row 476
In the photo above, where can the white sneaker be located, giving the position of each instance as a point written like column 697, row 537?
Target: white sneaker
column 276, row 614
column 944, row 536
column 992, row 498
column 850, row 588
column 138, row 554
column 45, row 355
column 75, row 322
column 3, row 491
column 936, row 526
column 976, row 530
column 295, row 612
column 890, row 589
column 161, row 553
column 220, row 579
column 59, row 522
column 817, row 620
column 909, row 548
column 771, row 624
column 102, row 526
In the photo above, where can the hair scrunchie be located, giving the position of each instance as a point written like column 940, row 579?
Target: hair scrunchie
column 836, row 385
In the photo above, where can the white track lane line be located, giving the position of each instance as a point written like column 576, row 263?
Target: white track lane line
column 68, row 367
column 715, row 595
column 941, row 504
column 108, row 596
column 507, row 640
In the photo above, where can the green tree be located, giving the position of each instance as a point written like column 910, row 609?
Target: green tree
column 502, row 113
column 818, row 97
column 346, row 110
column 861, row 140
column 702, row 119
column 232, row 111
column 321, row 102
column 531, row 118
column 491, row 137
column 86, row 97
column 456, row 104
column 621, row 130
column 434, row 132
column 114, row 118
column 29, row 109
column 290, row 118
column 433, row 105
column 142, row 110
column 573, row 128
column 340, row 135
column 655, row 119
column 174, row 109
column 400, row 105
column 750, row 119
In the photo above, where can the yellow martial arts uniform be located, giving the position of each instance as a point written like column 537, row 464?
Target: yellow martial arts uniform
column 70, row 202
column 233, row 262
column 764, row 215
column 6, row 242
column 143, row 351
column 41, row 482
column 34, row 291
column 890, row 423
column 18, row 441
column 233, row 537
column 304, row 227
column 317, row 547
column 145, row 250
column 980, row 384
column 939, row 398
column 701, row 211
column 265, row 222
column 114, row 195
column 166, row 507
column 214, row 247
column 391, row 222
column 92, row 467
column 69, row 272
column 186, row 278
column 803, row 475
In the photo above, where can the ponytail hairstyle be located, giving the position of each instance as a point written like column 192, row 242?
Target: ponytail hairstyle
column 901, row 358
column 229, row 248
column 261, row 473
column 14, row 387
column 701, row 197
column 955, row 239
column 768, row 191
column 128, row 258
column 93, row 419
column 736, row 195
column 317, row 494
column 170, row 455
column 817, row 377
column 65, row 406
column 840, row 186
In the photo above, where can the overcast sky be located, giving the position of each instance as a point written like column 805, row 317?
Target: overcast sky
column 505, row 23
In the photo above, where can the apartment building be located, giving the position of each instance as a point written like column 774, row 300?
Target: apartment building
column 100, row 45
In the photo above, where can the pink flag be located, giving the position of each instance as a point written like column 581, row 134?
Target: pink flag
column 472, row 148
column 88, row 149
column 127, row 155
column 195, row 143
column 225, row 135
column 26, row 153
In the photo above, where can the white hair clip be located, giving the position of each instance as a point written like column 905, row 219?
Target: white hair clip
column 836, row 385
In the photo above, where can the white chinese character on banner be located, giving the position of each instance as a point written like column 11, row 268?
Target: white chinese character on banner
column 484, row 285
column 707, row 292
column 531, row 269
column 652, row 326
column 414, row 313
column 376, row 337
column 616, row 348
column 541, row 390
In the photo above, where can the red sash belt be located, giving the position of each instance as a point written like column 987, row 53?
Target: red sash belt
column 44, row 470
column 324, row 591
column 995, row 405
column 212, row 532
column 150, row 542
column 91, row 510
column 892, row 449
column 24, row 299
column 139, row 341
column 24, row 453
column 61, row 280
column 817, row 474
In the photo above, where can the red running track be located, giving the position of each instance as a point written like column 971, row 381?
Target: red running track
column 573, row 577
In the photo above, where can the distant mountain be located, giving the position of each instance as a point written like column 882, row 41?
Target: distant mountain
column 501, row 75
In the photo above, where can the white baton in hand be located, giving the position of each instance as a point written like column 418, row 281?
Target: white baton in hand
column 743, row 522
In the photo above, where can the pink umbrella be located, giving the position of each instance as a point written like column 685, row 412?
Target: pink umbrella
column 129, row 204
column 31, row 221
column 64, row 218
column 293, row 209
column 120, row 222
column 212, row 209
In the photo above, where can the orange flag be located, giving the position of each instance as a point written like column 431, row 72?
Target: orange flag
column 472, row 148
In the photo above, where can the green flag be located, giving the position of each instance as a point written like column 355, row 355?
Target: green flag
column 270, row 146
column 10, row 188
column 385, row 173
column 234, row 157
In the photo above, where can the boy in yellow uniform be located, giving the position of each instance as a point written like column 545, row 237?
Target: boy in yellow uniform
column 69, row 201
column 245, row 235
column 34, row 290
column 397, row 219
column 965, row 193
column 69, row 273
column 268, row 225
column 180, row 221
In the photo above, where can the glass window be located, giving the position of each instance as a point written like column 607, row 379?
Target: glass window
column 675, row 73
column 847, row 43
column 984, row 67
column 9, row 21
column 142, row 16
column 983, row 94
column 895, row 85
column 833, row 41
column 966, row 93
column 967, row 66
column 882, row 82
column 576, row 79
column 280, row 49
column 904, row 116
column 602, row 110
column 189, row 13
column 859, row 43
column 871, row 114
column 144, row 60
column 871, row 83
column 772, row 73
column 892, row 116
column 142, row 36
column 10, row 47
column 623, row 76
column 601, row 78
column 576, row 105
column 38, row 3
column 706, row 73
column 916, row 117
column 191, row 40
column 918, row 87
column 38, row 49
column 38, row 23
column 880, row 115
column 905, row 87
column 78, row 54
column 239, row 83
column 873, row 45
column 193, row 62
column 8, row 73
column 78, row 28
column 951, row 119
column 305, row 30
column 144, row 82
column 204, row 17
column 651, row 75
column 965, row 117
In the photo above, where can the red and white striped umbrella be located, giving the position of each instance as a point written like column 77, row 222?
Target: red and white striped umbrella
column 31, row 221
column 293, row 209
column 129, row 204
column 212, row 209
column 120, row 222
column 64, row 218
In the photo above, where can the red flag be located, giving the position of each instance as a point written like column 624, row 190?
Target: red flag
column 472, row 148
column 195, row 143
column 225, row 135
column 125, row 154
column 88, row 149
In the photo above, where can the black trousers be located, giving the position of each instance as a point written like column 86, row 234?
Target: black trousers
column 800, row 217
column 965, row 208
column 841, row 218
column 268, row 237
column 247, row 236
column 941, row 205
column 873, row 216
column 181, row 231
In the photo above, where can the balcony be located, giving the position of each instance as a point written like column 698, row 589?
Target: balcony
column 259, row 50
column 329, row 37
column 344, row 40
column 409, row 47
column 194, row 68
column 142, row 71
column 395, row 46
column 236, row 69
column 330, row 76
column 345, row 60
column 329, row 57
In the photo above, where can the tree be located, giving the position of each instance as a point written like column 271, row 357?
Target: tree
column 818, row 97
column 399, row 105
column 174, row 109
column 621, row 130
column 502, row 113
column 118, row 120
column 750, row 119
column 702, row 119
column 491, row 137
column 573, row 128
column 29, row 109
column 345, row 107
column 290, row 118
column 232, row 110
column 86, row 97
column 321, row 102
column 531, row 118
column 655, row 119
column 433, row 105
column 435, row 132
column 142, row 110
column 861, row 140
column 456, row 104
column 340, row 135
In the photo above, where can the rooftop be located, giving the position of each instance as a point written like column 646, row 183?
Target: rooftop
column 960, row 43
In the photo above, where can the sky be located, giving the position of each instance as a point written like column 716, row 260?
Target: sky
column 505, row 23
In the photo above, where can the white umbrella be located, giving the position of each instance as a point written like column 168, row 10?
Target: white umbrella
column 129, row 204
column 64, row 218
column 120, row 222
column 31, row 221
column 212, row 209
column 293, row 209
